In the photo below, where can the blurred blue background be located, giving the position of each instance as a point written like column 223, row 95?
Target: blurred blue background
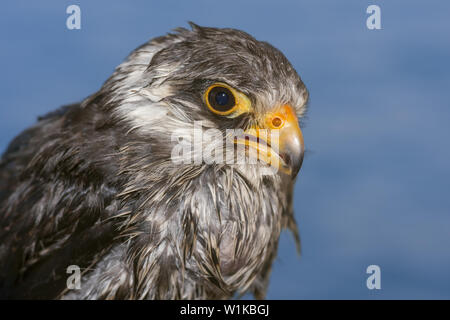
column 374, row 188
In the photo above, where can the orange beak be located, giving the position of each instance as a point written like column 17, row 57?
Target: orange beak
column 277, row 141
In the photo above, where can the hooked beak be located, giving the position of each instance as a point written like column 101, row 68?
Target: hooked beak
column 278, row 141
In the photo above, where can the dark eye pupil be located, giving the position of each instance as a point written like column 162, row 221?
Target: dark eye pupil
column 222, row 98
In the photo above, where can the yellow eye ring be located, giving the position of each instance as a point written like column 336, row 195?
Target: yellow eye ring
column 224, row 100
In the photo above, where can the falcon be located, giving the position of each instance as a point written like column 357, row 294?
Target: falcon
column 98, row 186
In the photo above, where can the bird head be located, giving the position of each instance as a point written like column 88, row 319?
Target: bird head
column 197, row 96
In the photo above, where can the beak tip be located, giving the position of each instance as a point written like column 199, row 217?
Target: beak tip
column 296, row 168
column 294, row 163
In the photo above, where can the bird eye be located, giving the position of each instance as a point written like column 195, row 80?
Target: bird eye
column 220, row 99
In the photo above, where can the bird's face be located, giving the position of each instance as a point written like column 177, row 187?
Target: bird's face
column 240, row 93
column 270, row 135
